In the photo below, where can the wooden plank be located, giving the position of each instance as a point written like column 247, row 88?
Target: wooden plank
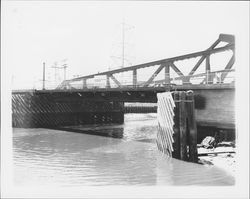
column 165, row 123
column 215, row 153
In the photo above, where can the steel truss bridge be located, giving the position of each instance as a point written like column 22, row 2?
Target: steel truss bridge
column 173, row 76
column 99, row 98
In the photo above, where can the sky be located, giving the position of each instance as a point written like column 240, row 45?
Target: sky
column 87, row 35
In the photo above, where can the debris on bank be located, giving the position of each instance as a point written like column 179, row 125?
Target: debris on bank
column 222, row 154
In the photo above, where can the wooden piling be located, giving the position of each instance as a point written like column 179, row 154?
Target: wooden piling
column 177, row 133
column 183, row 126
column 192, row 130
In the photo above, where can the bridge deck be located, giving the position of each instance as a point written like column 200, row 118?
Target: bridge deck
column 139, row 89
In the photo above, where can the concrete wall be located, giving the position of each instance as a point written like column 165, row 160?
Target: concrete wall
column 217, row 108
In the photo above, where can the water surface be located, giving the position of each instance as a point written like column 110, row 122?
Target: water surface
column 55, row 157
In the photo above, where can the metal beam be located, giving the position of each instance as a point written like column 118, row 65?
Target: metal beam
column 154, row 75
column 115, row 80
column 167, row 74
column 174, row 67
column 173, row 59
column 84, row 83
column 208, row 63
column 107, row 82
column 197, row 65
column 227, row 38
column 203, row 57
column 208, row 69
column 196, row 75
column 228, row 67
column 134, row 78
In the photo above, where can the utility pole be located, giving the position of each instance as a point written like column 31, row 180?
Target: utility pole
column 55, row 67
column 64, row 67
column 121, row 53
column 43, row 75
column 125, row 27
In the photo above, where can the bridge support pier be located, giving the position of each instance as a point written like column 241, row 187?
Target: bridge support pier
column 40, row 111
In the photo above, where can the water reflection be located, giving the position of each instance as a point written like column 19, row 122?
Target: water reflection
column 106, row 132
column 43, row 156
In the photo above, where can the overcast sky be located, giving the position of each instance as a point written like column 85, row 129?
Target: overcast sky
column 88, row 34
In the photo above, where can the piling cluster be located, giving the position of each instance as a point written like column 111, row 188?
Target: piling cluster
column 177, row 133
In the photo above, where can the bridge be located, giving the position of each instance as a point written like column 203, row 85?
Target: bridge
column 206, row 77
column 100, row 97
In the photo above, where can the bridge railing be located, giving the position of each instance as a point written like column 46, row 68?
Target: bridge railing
column 215, row 77
column 172, row 73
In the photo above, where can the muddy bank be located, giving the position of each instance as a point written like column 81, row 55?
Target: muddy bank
column 223, row 157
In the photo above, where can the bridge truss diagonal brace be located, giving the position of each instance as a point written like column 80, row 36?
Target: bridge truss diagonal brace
column 203, row 57
column 228, row 67
column 115, row 80
column 154, row 75
column 174, row 67
column 63, row 85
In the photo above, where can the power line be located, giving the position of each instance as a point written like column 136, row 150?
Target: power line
column 122, row 47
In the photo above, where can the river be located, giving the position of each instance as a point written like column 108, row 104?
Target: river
column 62, row 158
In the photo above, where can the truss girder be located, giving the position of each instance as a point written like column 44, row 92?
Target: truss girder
column 204, row 55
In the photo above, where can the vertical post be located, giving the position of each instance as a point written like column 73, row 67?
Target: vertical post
column 64, row 67
column 55, row 72
column 64, row 72
column 176, row 135
column 84, row 83
column 208, row 78
column 43, row 75
column 134, row 77
column 192, row 130
column 183, row 126
column 107, row 81
column 167, row 74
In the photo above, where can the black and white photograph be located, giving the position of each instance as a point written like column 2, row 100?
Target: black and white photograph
column 124, row 99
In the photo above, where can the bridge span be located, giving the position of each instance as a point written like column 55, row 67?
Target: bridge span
column 96, row 99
